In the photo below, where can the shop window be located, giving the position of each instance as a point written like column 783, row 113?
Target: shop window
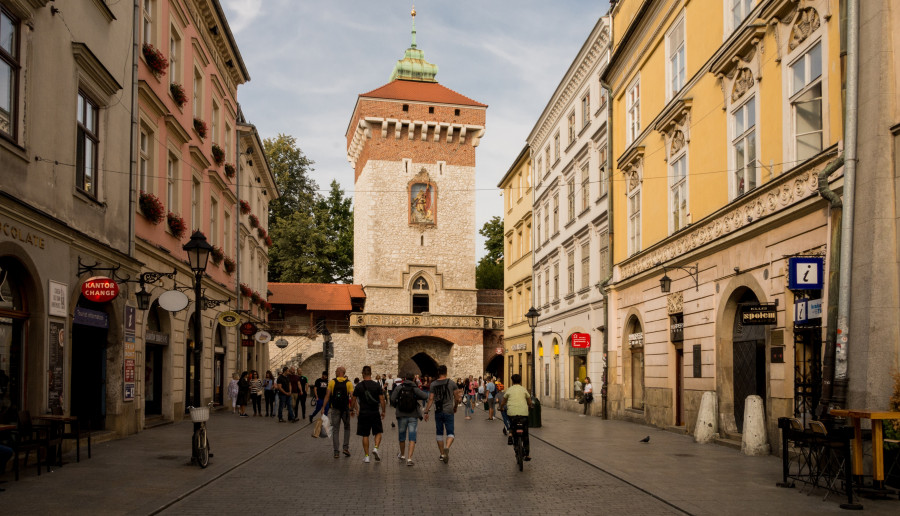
column 88, row 142
column 9, row 72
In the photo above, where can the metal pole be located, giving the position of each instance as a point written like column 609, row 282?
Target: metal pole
column 533, row 364
column 327, row 358
column 198, row 335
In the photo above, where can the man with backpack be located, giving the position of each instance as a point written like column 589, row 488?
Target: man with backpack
column 444, row 396
column 369, row 397
column 405, row 398
column 490, row 393
column 341, row 407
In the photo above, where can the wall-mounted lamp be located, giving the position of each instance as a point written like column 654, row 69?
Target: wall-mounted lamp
column 665, row 283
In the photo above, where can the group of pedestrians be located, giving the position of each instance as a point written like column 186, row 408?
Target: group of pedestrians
column 290, row 387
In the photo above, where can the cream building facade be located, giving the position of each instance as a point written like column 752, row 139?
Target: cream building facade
column 517, row 268
column 568, row 146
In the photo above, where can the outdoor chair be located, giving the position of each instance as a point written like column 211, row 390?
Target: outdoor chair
column 796, row 452
column 829, row 455
column 28, row 437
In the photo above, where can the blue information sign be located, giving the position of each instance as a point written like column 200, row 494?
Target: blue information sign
column 806, row 273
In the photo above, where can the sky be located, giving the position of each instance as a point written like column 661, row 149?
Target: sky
column 309, row 61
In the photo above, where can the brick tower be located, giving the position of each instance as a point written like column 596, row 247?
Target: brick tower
column 412, row 145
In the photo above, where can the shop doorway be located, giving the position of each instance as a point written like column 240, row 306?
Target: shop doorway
column 156, row 341
column 219, row 366
column 90, row 332
column 13, row 321
column 679, row 387
column 749, row 360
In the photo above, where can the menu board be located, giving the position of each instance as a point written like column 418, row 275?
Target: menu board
column 129, row 354
column 57, row 358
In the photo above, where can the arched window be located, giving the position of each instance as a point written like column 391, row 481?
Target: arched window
column 420, row 295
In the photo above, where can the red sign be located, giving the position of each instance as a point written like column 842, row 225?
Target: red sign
column 99, row 289
column 247, row 343
column 581, row 340
column 248, row 328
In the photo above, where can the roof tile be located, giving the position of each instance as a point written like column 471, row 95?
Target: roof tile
column 421, row 91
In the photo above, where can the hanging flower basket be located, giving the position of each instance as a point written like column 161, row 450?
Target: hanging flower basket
column 229, row 171
column 151, row 207
column 176, row 224
column 245, row 290
column 217, row 254
column 200, row 127
column 155, row 59
column 218, row 155
column 245, row 207
column 178, row 94
column 261, row 233
column 230, row 266
column 254, row 221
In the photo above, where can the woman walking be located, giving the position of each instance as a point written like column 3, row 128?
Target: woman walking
column 268, row 390
column 256, row 393
column 243, row 393
column 471, row 394
column 233, row 392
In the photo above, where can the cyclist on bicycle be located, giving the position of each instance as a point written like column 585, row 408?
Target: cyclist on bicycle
column 516, row 402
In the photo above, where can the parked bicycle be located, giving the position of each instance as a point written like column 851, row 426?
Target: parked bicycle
column 199, row 441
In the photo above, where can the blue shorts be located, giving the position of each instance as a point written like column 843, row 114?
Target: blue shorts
column 407, row 423
column 443, row 421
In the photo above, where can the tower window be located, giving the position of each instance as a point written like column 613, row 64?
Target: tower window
column 456, row 112
column 405, row 107
column 422, row 240
column 431, row 109
column 420, row 303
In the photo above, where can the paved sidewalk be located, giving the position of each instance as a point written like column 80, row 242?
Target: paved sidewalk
column 697, row 478
column 574, row 458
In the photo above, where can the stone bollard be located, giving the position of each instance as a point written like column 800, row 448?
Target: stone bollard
column 706, row 429
column 754, row 441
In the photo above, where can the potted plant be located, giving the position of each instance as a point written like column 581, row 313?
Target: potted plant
column 176, row 224
column 229, row 171
column 218, row 154
column 178, row 94
column 254, row 221
column 200, row 127
column 217, row 254
column 155, row 59
column 245, row 290
column 151, row 207
column 230, row 266
column 245, row 207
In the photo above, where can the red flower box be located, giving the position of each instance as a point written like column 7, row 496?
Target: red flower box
column 245, row 290
column 230, row 266
column 254, row 221
column 229, row 171
column 176, row 224
column 245, row 207
column 269, row 242
column 178, row 94
column 151, row 207
column 217, row 254
column 261, row 233
column 218, row 154
column 156, row 61
column 200, row 127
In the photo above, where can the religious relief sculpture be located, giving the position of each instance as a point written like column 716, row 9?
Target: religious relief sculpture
column 677, row 142
column 742, row 82
column 422, row 200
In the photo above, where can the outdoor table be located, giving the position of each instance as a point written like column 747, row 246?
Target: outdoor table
column 59, row 422
column 877, row 417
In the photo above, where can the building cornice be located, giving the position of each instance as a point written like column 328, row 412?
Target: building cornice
column 368, row 124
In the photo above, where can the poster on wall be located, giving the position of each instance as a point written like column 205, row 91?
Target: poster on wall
column 129, row 353
column 55, row 367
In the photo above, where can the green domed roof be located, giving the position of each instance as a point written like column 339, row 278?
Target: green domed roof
column 413, row 66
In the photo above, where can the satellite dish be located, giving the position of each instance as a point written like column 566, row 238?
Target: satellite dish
column 281, row 343
column 263, row 336
column 173, row 300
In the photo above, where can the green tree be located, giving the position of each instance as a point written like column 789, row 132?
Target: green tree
column 489, row 271
column 334, row 215
column 312, row 235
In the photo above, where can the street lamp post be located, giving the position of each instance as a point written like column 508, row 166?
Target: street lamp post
column 534, row 419
column 198, row 255
column 326, row 347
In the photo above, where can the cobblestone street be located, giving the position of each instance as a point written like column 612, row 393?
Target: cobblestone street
column 262, row 466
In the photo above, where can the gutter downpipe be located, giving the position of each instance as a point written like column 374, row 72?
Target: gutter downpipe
column 841, row 378
column 237, row 237
column 835, row 379
column 132, row 195
column 604, row 285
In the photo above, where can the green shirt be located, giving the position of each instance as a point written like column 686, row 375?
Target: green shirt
column 516, row 400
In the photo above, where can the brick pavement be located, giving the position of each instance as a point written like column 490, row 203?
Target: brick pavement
column 261, row 465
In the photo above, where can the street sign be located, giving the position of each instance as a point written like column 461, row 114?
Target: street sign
column 99, row 289
column 759, row 314
column 806, row 272
column 807, row 311
column 229, row 319
column 581, row 340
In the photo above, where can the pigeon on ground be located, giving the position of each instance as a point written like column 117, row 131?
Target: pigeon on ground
column 646, row 439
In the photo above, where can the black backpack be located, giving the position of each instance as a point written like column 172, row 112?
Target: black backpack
column 406, row 399
column 441, row 394
column 340, row 398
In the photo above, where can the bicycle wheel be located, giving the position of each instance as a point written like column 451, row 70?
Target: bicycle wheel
column 520, row 453
column 203, row 448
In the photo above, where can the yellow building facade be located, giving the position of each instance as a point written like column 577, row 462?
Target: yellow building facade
column 517, row 268
column 724, row 114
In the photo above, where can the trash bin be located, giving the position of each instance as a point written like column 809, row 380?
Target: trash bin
column 534, row 414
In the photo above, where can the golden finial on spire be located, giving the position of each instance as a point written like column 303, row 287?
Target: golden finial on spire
column 414, row 11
